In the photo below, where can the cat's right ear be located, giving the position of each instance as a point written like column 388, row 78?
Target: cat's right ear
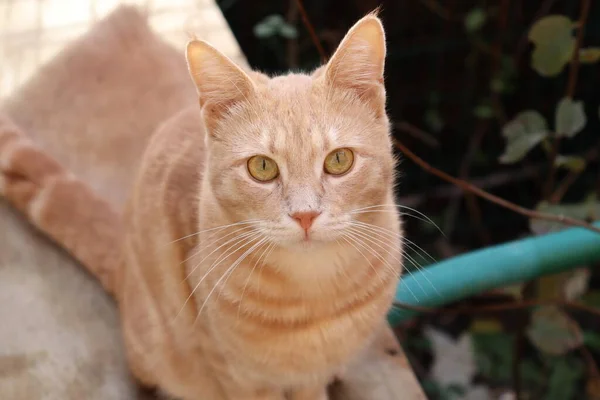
column 221, row 84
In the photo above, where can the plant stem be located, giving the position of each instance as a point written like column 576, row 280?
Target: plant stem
column 566, row 183
column 466, row 186
column 505, row 306
column 311, row 31
column 569, row 93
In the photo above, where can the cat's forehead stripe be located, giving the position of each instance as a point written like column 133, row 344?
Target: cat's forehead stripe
column 331, row 136
column 279, row 139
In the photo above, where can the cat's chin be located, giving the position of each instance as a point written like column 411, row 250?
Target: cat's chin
column 304, row 244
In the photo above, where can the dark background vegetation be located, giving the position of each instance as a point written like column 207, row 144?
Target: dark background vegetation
column 460, row 87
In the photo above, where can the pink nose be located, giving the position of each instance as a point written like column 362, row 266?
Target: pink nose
column 305, row 218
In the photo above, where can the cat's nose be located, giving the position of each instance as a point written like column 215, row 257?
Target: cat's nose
column 305, row 218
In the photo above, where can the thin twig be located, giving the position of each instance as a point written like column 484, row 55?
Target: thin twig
column 501, row 26
column 492, row 198
column 569, row 93
column 438, row 9
column 292, row 44
column 311, row 31
column 574, row 68
column 518, row 344
column 471, row 201
column 425, row 137
column 566, row 183
column 592, row 367
column 507, row 306
column 487, row 182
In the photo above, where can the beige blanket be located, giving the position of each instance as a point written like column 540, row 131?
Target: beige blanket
column 93, row 109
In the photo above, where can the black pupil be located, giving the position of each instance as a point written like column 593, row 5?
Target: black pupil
column 337, row 157
column 264, row 164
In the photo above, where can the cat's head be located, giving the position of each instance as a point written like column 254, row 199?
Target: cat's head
column 300, row 154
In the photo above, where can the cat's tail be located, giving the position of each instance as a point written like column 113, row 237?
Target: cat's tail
column 58, row 204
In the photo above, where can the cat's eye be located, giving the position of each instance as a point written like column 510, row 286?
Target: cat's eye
column 339, row 161
column 262, row 168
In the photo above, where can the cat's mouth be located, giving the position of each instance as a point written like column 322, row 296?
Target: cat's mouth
column 309, row 243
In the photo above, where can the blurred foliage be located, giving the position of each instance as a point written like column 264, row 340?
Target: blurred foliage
column 489, row 84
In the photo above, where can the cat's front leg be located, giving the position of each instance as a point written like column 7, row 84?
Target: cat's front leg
column 316, row 392
column 236, row 392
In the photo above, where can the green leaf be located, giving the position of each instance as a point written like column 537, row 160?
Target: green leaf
column 523, row 133
column 518, row 148
column 591, row 299
column 592, row 340
column 288, row 31
column 532, row 374
column 570, row 117
column 475, row 19
column 262, row 31
column 564, row 379
column 503, row 80
column 524, row 123
column 274, row 20
column 274, row 25
column 434, row 120
column 497, row 85
column 485, row 325
column 576, row 284
column 548, row 60
column 573, row 163
column 585, row 210
column 483, row 111
column 589, row 55
column 493, row 355
column 554, row 44
column 554, row 332
column 514, row 290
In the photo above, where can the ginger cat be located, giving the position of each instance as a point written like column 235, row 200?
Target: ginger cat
column 257, row 256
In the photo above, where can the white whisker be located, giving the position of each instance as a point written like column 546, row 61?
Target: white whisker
column 416, row 247
column 226, row 275
column 240, row 236
column 256, row 246
column 397, row 235
column 246, row 240
column 195, row 253
column 379, row 243
column 380, row 232
column 347, row 239
column 374, row 253
column 264, row 251
column 261, row 268
column 424, row 218
column 246, row 222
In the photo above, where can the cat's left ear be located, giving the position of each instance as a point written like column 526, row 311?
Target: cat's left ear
column 220, row 82
column 359, row 61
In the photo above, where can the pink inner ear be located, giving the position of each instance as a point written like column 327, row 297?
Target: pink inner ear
column 359, row 61
column 220, row 82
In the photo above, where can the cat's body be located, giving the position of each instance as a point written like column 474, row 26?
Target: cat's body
column 234, row 286
column 276, row 335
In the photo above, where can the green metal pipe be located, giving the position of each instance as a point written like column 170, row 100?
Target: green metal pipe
column 497, row 266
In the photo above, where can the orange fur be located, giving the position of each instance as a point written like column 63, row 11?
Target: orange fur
column 246, row 311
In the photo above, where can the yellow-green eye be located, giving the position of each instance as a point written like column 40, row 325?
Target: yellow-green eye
column 263, row 168
column 339, row 161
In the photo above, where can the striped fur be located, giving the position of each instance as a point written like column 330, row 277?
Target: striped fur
column 58, row 204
